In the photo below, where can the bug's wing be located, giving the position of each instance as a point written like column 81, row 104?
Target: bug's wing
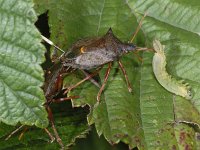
column 82, row 46
column 94, row 59
column 89, row 53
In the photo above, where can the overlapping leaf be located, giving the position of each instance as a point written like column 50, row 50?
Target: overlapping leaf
column 69, row 122
column 21, row 98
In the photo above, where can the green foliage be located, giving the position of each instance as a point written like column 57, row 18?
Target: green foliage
column 150, row 117
column 70, row 123
column 20, row 71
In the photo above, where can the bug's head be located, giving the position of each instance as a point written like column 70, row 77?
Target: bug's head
column 122, row 47
column 127, row 47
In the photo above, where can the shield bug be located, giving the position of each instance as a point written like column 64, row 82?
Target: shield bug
column 91, row 53
column 95, row 52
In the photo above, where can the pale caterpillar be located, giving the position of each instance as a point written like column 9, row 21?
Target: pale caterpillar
column 159, row 69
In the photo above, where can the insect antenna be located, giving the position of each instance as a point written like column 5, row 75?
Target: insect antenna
column 138, row 27
column 50, row 116
column 51, row 43
column 134, row 35
column 49, row 134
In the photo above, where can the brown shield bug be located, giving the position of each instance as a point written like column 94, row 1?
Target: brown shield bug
column 92, row 53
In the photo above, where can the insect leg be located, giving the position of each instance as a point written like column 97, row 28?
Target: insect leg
column 86, row 78
column 125, row 75
column 21, row 135
column 104, row 83
column 54, row 55
column 12, row 133
column 91, row 79
column 19, row 128
column 49, row 134
column 50, row 116
column 62, row 99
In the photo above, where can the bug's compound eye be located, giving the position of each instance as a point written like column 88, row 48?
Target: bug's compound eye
column 82, row 49
column 127, row 47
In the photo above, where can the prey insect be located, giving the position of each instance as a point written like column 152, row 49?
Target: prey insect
column 168, row 82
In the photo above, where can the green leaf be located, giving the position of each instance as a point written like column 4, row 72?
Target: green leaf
column 21, row 98
column 150, row 117
column 93, row 141
column 186, row 137
column 159, row 106
column 70, row 124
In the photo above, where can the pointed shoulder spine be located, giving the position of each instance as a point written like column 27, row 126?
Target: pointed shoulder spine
column 109, row 31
